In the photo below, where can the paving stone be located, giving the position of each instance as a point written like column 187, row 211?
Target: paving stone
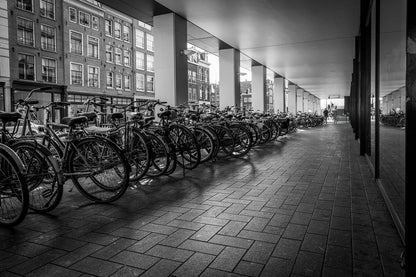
column 146, row 243
column 98, row 238
column 200, row 246
column 186, row 224
column 195, row 265
column 77, row 255
column 280, row 220
column 206, row 232
column 287, row 249
column 114, row 248
column 96, row 267
column 231, row 241
column 191, row 215
column 301, row 218
column 53, row 270
column 32, row 264
column 211, row 221
column 295, row 231
column 160, row 229
column 171, row 253
column 320, row 227
column 248, row 268
column 209, row 272
column 314, row 243
column 338, row 257
column 308, row 264
column 135, row 259
column 127, row 271
column 259, row 252
column 277, row 267
column 177, row 238
column 266, row 237
column 257, row 224
column 339, row 237
column 232, row 228
column 168, row 217
column 28, row 249
column 228, row 259
column 162, row 268
column 129, row 233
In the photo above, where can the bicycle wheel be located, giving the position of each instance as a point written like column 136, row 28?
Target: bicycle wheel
column 139, row 153
column 265, row 133
column 43, row 175
column 14, row 195
column 226, row 139
column 205, row 142
column 159, row 161
column 187, row 148
column 98, row 169
column 242, row 138
column 51, row 145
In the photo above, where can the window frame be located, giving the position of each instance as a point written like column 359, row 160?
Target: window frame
column 21, row 8
column 56, row 69
column 140, row 54
column 79, row 19
column 69, row 15
column 115, row 56
column 124, row 57
column 112, row 53
column 82, row 43
column 92, row 23
column 112, row 79
column 129, row 32
column 41, row 45
column 88, row 76
column 138, row 31
column 98, row 47
column 33, row 32
column 137, row 82
column 121, row 81
column 124, row 80
column 54, row 9
column 153, row 83
column 148, row 68
column 121, row 30
column 34, row 66
column 70, row 74
column 152, row 49
column 111, row 25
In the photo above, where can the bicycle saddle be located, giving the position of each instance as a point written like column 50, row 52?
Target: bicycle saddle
column 115, row 116
column 9, row 116
column 73, row 121
column 90, row 115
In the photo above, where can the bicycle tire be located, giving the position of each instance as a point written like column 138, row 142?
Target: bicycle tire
column 159, row 161
column 205, row 142
column 88, row 153
column 12, row 182
column 187, row 148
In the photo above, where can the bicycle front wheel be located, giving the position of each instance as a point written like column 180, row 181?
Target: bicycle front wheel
column 14, row 195
column 98, row 169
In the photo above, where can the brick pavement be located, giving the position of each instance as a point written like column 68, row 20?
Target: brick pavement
column 304, row 206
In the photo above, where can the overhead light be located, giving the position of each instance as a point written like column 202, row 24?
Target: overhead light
column 187, row 52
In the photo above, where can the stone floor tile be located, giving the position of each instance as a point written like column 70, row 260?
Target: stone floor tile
column 195, row 265
column 162, row 268
column 248, row 268
column 308, row 264
column 96, row 267
column 287, row 249
column 135, row 259
column 200, row 246
column 206, row 232
column 228, row 259
column 114, row 248
column 232, row 228
column 295, row 231
column 259, row 252
column 53, row 270
column 171, row 253
column 127, row 271
column 231, row 241
column 277, row 267
column 146, row 243
column 177, row 238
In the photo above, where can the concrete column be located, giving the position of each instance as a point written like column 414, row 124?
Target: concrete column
column 258, row 86
column 291, row 101
column 311, row 103
column 299, row 99
column 229, row 60
column 279, row 97
column 171, row 65
column 4, row 57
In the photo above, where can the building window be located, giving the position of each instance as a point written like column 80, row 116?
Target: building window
column 117, row 30
column 47, row 8
column 150, row 83
column 150, row 62
column 49, row 70
column 109, row 53
column 201, row 95
column 75, row 43
column 93, row 47
column 139, row 82
column 25, row 32
column 139, row 38
column 76, row 74
column 26, row 67
column 149, row 43
column 84, row 19
column 108, row 27
column 126, row 33
column 139, row 60
column 127, row 82
column 47, row 38
column 73, row 15
column 127, row 58
column 26, row 5
column 118, row 81
column 109, row 79
column 93, row 76
column 94, row 22
column 117, row 55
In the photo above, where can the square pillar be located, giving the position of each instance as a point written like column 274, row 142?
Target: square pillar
column 258, row 86
column 299, row 100
column 291, row 101
column 171, row 65
column 229, row 60
column 279, row 97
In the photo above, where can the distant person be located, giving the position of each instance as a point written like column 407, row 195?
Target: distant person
column 326, row 115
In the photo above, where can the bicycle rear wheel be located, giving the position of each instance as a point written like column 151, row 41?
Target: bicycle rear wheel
column 43, row 176
column 186, row 145
column 159, row 161
column 98, row 169
column 205, row 142
column 14, row 195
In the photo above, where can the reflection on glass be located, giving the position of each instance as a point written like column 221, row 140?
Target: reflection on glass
column 392, row 93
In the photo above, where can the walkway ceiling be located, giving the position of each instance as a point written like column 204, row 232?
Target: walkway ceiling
column 311, row 43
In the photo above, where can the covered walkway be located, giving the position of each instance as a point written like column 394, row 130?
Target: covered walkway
column 304, row 206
